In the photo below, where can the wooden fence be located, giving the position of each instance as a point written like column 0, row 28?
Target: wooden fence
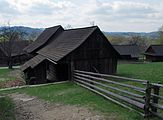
column 135, row 94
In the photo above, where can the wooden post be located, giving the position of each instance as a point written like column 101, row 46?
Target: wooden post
column 147, row 100
column 72, row 71
column 155, row 99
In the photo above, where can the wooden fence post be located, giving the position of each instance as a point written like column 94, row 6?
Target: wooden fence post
column 72, row 71
column 155, row 99
column 147, row 100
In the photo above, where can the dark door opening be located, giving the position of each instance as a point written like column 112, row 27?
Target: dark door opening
column 62, row 72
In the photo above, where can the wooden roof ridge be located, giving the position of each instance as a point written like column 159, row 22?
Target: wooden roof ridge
column 80, row 28
column 157, row 50
column 43, row 38
column 157, row 45
column 32, row 62
column 131, row 50
column 127, row 45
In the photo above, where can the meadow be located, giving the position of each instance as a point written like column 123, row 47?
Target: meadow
column 146, row 71
column 72, row 94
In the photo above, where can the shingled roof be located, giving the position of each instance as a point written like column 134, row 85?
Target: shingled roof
column 33, row 62
column 61, row 45
column 66, row 42
column 16, row 47
column 131, row 50
column 43, row 38
column 156, row 50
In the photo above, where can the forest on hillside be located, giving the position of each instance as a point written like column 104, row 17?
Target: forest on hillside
column 143, row 42
column 141, row 39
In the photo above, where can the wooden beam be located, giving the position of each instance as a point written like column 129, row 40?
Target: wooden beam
column 111, row 87
column 113, row 76
column 157, row 114
column 113, row 82
column 109, row 98
column 157, row 106
column 130, row 101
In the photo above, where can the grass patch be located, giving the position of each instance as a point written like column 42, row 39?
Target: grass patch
column 72, row 94
column 6, row 109
column 8, row 78
column 69, row 93
column 4, row 71
column 4, row 75
column 147, row 71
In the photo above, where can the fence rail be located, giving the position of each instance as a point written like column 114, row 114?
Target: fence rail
column 145, row 99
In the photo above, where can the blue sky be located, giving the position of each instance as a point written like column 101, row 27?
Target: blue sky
column 109, row 15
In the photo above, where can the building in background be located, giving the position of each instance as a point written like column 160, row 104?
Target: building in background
column 128, row 52
column 154, row 53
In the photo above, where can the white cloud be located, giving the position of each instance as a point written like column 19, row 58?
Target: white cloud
column 38, row 6
column 110, row 15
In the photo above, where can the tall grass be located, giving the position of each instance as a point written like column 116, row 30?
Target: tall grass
column 6, row 109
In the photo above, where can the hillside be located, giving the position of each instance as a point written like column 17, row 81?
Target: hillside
column 151, row 35
column 32, row 33
column 28, row 32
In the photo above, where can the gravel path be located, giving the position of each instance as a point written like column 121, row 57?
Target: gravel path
column 31, row 108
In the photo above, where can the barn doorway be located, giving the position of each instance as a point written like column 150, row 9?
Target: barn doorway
column 57, row 72
column 62, row 71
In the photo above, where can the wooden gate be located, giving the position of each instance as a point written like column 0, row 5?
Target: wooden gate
column 135, row 94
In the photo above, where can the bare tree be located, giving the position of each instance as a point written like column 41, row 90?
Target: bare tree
column 160, row 35
column 141, row 42
column 8, row 37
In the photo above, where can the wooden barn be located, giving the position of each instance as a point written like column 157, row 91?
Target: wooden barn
column 154, row 53
column 128, row 52
column 15, row 50
column 84, row 49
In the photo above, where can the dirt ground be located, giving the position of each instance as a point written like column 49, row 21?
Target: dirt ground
column 32, row 108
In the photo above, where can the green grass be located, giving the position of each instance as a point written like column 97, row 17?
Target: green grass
column 5, row 77
column 4, row 71
column 148, row 71
column 69, row 93
column 72, row 94
column 6, row 109
column 152, row 72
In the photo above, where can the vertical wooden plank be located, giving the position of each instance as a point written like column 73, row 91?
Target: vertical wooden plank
column 72, row 70
column 155, row 99
column 147, row 99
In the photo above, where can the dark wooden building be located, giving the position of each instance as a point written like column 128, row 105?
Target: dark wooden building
column 15, row 49
column 84, row 49
column 128, row 52
column 154, row 53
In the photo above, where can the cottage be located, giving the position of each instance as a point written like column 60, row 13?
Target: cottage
column 154, row 53
column 128, row 52
column 82, row 49
column 15, row 50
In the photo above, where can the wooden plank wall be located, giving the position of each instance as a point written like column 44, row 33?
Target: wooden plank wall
column 94, row 53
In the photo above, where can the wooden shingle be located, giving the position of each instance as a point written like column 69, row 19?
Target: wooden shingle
column 43, row 38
